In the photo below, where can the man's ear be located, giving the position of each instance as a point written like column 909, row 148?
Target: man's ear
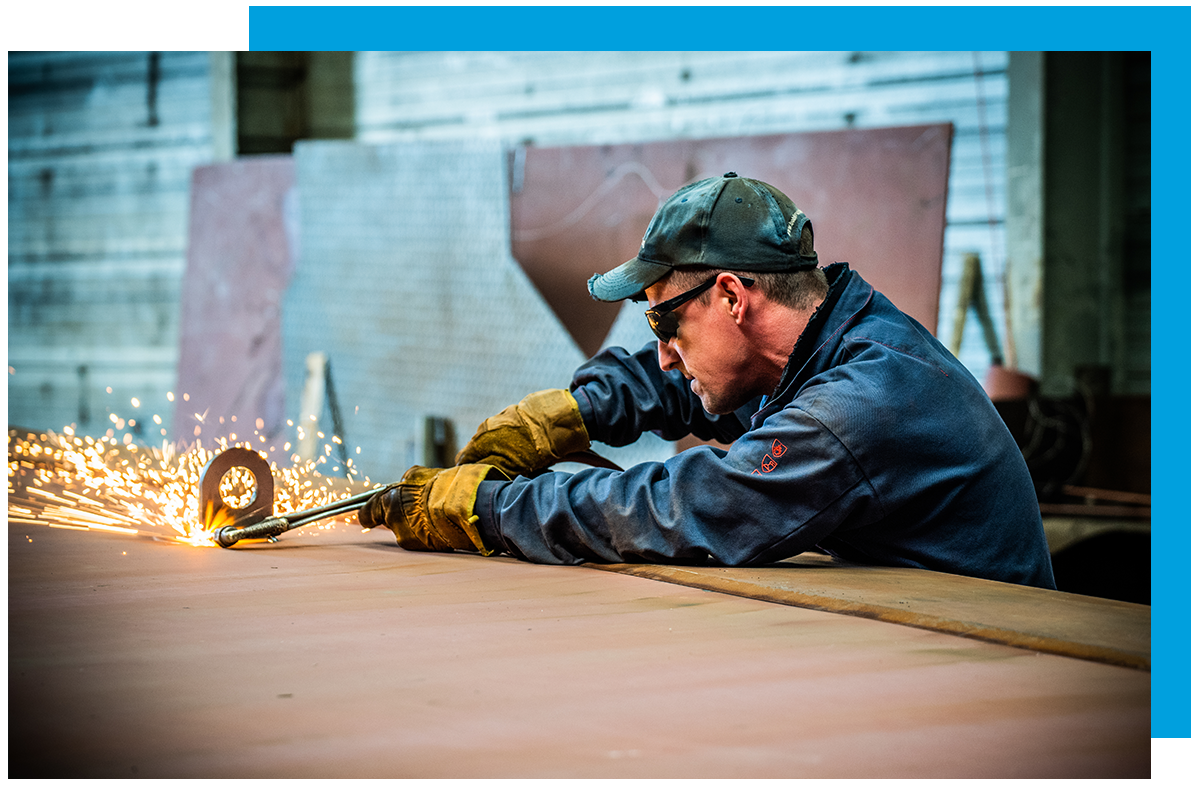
column 733, row 295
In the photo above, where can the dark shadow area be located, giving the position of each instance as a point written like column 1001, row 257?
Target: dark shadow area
column 1114, row 565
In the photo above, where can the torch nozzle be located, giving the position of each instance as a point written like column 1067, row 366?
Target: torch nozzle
column 267, row 528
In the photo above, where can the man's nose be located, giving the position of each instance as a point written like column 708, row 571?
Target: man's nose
column 668, row 358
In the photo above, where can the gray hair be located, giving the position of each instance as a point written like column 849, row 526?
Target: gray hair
column 802, row 290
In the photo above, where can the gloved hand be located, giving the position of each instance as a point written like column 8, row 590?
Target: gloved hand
column 529, row 436
column 432, row 509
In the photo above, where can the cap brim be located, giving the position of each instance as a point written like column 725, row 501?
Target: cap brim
column 627, row 280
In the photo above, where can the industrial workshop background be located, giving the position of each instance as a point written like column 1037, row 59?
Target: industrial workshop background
column 367, row 164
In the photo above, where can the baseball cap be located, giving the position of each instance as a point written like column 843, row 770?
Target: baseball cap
column 728, row 222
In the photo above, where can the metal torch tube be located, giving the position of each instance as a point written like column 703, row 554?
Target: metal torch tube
column 343, row 509
column 331, row 509
column 269, row 528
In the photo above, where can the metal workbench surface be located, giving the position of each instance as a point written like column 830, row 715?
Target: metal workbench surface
column 333, row 653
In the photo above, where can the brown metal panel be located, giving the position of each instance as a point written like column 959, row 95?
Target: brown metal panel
column 239, row 263
column 877, row 198
column 334, row 653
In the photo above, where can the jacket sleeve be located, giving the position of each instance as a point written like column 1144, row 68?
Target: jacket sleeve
column 623, row 395
column 778, row 491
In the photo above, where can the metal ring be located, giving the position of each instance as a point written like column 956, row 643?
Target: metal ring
column 213, row 508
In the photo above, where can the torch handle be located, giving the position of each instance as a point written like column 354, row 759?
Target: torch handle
column 277, row 525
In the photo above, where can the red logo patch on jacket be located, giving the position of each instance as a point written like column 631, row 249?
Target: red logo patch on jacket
column 778, row 448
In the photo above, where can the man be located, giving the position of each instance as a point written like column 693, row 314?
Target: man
column 853, row 430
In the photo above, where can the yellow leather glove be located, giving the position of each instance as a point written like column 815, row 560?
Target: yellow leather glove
column 532, row 435
column 432, row 509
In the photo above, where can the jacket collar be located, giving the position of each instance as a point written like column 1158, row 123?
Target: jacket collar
column 848, row 295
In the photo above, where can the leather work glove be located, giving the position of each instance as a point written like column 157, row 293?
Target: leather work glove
column 432, row 509
column 529, row 436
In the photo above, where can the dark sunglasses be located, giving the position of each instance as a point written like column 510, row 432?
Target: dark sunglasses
column 663, row 321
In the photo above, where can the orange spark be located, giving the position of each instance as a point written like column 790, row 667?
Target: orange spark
column 85, row 483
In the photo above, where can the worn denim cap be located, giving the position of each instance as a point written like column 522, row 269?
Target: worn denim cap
column 728, row 222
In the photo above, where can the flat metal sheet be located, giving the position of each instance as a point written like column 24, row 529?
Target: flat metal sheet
column 877, row 198
column 333, row 653
column 241, row 255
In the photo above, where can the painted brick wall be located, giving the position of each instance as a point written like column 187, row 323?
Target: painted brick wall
column 101, row 149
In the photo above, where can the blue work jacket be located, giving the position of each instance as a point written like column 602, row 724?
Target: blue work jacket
column 877, row 446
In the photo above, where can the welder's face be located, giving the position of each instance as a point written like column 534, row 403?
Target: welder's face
column 706, row 346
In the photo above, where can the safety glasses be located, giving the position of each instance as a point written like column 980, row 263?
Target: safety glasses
column 663, row 321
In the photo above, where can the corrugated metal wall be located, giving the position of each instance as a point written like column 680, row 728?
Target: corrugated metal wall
column 101, row 147
column 589, row 98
